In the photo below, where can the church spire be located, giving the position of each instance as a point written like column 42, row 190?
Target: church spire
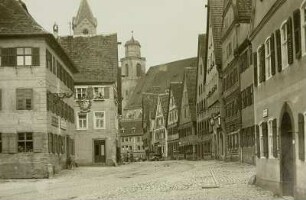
column 80, row 22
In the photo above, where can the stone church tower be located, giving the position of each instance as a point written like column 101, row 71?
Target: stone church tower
column 132, row 69
column 84, row 23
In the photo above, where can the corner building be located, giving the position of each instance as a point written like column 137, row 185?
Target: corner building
column 36, row 108
column 96, row 92
column 278, row 43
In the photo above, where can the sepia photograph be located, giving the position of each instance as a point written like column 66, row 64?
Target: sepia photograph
column 152, row 99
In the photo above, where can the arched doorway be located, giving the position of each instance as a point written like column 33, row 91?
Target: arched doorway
column 287, row 155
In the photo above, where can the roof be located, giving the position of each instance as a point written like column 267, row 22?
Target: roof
column 176, row 89
column 149, row 105
column 244, row 8
column 16, row 22
column 216, row 13
column 158, row 79
column 202, row 45
column 96, row 57
column 131, row 127
column 15, row 19
column 190, row 77
column 164, row 100
column 84, row 13
column 132, row 41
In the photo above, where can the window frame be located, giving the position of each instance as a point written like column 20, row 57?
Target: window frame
column 270, row 138
column 81, row 93
column 104, row 119
column 268, row 58
column 24, row 55
column 78, row 121
column 25, row 141
column 284, row 43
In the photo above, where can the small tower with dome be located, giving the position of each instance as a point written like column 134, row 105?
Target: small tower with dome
column 133, row 67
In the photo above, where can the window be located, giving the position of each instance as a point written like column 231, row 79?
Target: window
column 24, row 56
column 122, row 139
column 99, row 120
column 25, row 142
column 82, row 121
column 138, row 147
column 80, row 93
column 270, row 138
column 139, row 70
column 24, row 98
column 85, row 31
column 284, row 45
column 0, row 142
column 126, row 139
column 265, row 141
column 268, row 58
column 98, row 93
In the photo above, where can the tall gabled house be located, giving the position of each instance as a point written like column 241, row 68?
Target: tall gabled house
column 96, row 95
column 278, row 45
column 175, row 97
column 160, row 136
column 213, row 139
column 187, row 116
column 200, row 109
column 235, row 48
column 37, row 125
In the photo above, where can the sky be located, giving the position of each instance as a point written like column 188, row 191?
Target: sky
column 166, row 29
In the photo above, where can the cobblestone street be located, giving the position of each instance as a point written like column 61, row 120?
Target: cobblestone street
column 147, row 180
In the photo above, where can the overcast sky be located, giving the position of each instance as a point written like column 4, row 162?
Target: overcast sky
column 167, row 29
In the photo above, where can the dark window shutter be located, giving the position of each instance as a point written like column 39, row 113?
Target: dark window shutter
column 301, row 137
column 272, row 54
column 48, row 100
column 35, row 57
column 278, row 50
column 255, row 69
column 297, row 32
column 9, row 57
column 274, row 137
column 106, row 92
column 265, row 139
column 257, row 141
column 0, row 99
column 38, row 142
column 290, row 41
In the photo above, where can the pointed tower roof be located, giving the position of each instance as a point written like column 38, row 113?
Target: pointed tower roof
column 85, row 13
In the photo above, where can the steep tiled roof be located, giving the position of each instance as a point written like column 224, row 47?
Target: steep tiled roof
column 131, row 127
column 244, row 8
column 202, row 45
column 190, row 77
column 15, row 19
column 176, row 89
column 84, row 13
column 216, row 13
column 164, row 99
column 149, row 104
column 96, row 57
column 158, row 79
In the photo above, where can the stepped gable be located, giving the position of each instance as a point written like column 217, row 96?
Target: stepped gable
column 158, row 79
column 96, row 57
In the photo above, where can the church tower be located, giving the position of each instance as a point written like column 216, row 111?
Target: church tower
column 84, row 23
column 133, row 67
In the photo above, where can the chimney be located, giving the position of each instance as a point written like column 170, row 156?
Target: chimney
column 55, row 30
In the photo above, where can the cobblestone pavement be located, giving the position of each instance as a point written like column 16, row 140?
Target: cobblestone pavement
column 207, row 180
